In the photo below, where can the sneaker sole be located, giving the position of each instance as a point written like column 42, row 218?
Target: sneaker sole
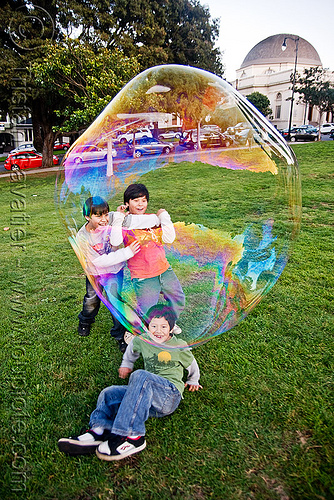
column 110, row 458
column 72, row 447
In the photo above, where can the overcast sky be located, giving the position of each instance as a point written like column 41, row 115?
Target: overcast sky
column 243, row 24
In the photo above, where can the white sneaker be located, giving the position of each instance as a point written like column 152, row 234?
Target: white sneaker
column 83, row 444
column 128, row 336
column 176, row 330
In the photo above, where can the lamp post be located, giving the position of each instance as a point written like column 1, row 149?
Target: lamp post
column 296, row 40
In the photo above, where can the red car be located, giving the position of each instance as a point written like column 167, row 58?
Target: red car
column 26, row 159
column 61, row 145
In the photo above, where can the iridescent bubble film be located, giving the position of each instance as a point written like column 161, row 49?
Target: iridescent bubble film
column 227, row 178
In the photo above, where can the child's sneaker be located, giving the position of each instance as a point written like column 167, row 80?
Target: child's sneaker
column 84, row 329
column 120, row 447
column 83, row 444
column 177, row 330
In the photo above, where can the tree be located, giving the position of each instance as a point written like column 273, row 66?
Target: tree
column 316, row 90
column 261, row 102
column 63, row 84
column 155, row 31
column 86, row 81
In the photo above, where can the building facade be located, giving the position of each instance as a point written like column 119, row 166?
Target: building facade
column 267, row 69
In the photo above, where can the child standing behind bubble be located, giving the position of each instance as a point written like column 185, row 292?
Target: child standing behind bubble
column 151, row 273
column 102, row 261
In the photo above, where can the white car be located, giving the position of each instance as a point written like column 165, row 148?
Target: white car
column 326, row 128
column 28, row 146
column 88, row 152
column 170, row 134
column 139, row 133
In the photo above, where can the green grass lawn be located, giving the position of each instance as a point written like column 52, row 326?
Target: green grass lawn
column 261, row 428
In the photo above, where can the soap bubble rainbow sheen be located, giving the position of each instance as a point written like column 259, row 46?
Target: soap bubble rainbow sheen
column 225, row 175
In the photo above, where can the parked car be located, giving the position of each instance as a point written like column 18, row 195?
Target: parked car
column 28, row 146
column 301, row 134
column 88, row 152
column 61, row 145
column 148, row 145
column 170, row 134
column 326, row 128
column 128, row 136
column 211, row 128
column 24, row 160
column 208, row 139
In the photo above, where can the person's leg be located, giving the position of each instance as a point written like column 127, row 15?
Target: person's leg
column 113, row 286
column 100, row 425
column 147, row 395
column 107, row 406
column 147, row 292
column 90, row 308
column 172, row 291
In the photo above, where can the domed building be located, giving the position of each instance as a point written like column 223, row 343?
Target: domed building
column 267, row 69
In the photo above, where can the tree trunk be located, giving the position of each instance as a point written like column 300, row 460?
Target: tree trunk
column 37, row 126
column 42, row 121
column 49, row 138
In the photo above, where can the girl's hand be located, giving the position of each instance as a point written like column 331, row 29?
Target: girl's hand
column 135, row 247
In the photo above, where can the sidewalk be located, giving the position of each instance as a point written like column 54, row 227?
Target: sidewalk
column 29, row 171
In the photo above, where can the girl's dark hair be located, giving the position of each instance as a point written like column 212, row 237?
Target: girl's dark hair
column 95, row 205
column 135, row 191
column 161, row 311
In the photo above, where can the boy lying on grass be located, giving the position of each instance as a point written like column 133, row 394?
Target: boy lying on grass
column 117, row 425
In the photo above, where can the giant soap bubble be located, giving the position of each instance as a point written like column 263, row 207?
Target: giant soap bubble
column 227, row 178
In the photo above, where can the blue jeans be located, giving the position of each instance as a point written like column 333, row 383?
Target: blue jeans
column 91, row 304
column 148, row 291
column 124, row 409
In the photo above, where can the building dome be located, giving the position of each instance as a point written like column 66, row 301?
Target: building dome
column 269, row 51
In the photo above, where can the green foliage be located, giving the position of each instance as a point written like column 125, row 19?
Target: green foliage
column 61, row 98
column 316, row 90
column 85, row 80
column 155, row 31
column 261, row 102
column 261, row 428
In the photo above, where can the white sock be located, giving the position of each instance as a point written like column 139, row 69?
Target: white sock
column 87, row 436
column 98, row 430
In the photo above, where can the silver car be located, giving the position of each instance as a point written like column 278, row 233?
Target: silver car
column 148, row 146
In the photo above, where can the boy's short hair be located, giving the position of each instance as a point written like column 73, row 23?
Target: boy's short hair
column 135, row 191
column 95, row 205
column 162, row 311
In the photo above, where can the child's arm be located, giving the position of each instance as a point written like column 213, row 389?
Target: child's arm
column 168, row 231
column 122, row 220
column 116, row 222
column 129, row 359
column 105, row 261
column 193, row 377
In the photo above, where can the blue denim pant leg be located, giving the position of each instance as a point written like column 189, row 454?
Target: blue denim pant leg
column 172, row 291
column 107, row 406
column 146, row 395
column 90, row 306
column 91, row 303
column 112, row 285
column 148, row 291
